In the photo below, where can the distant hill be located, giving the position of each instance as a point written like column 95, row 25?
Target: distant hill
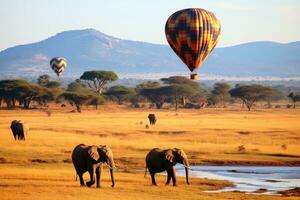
column 90, row 49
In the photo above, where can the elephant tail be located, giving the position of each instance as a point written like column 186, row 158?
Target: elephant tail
column 145, row 172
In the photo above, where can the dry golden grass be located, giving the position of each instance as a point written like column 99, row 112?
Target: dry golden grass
column 208, row 136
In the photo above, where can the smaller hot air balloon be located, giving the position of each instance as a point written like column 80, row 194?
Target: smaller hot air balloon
column 58, row 65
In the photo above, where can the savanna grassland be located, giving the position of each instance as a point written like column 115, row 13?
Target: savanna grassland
column 41, row 168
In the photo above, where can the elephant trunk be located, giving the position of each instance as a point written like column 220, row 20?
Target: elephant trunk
column 186, row 165
column 112, row 167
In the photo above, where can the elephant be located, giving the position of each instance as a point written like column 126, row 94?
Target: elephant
column 158, row 160
column 19, row 129
column 91, row 159
column 152, row 119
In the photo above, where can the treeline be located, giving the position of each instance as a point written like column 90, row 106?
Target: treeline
column 175, row 92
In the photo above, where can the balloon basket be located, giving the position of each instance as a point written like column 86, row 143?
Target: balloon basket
column 194, row 77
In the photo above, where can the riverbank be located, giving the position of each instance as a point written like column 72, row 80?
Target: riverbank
column 57, row 181
column 267, row 180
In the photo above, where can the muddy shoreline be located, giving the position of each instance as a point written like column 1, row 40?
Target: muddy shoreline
column 294, row 163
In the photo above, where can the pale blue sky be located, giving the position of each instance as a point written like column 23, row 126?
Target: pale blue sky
column 27, row 21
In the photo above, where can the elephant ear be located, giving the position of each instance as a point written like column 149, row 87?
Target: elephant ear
column 181, row 153
column 107, row 151
column 169, row 155
column 93, row 152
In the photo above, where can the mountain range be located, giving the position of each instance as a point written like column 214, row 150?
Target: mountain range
column 90, row 49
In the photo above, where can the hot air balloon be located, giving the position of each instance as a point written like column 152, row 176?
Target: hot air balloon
column 192, row 33
column 58, row 65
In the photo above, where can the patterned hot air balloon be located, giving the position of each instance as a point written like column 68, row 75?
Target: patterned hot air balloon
column 192, row 34
column 58, row 64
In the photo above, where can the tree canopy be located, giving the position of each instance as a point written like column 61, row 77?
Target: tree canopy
column 156, row 96
column 220, row 94
column 53, row 84
column 181, row 80
column 97, row 80
column 43, row 80
column 77, row 98
column 120, row 93
column 76, row 85
column 249, row 94
column 178, row 92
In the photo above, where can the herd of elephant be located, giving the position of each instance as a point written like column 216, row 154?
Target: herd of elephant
column 92, row 158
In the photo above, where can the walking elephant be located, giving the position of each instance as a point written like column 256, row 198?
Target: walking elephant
column 152, row 119
column 19, row 129
column 91, row 159
column 158, row 160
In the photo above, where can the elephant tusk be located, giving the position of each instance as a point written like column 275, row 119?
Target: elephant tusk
column 188, row 167
column 112, row 168
column 109, row 166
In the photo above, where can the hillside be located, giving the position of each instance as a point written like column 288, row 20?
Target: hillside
column 90, row 49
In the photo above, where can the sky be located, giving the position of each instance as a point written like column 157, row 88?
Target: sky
column 28, row 21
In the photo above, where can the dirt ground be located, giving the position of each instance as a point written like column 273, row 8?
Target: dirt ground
column 41, row 168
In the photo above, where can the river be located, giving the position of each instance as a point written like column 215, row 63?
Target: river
column 249, row 179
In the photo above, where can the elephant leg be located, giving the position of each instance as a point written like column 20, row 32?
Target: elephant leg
column 153, row 178
column 81, row 179
column 173, row 175
column 168, row 177
column 98, row 176
column 92, row 178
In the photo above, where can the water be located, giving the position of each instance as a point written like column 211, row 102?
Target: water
column 249, row 179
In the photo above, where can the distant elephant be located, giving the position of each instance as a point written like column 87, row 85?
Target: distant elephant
column 90, row 159
column 152, row 119
column 158, row 160
column 19, row 129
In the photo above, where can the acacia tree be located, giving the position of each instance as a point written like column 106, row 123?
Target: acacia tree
column 178, row 92
column 156, row 96
column 181, row 80
column 12, row 91
column 26, row 93
column 76, row 85
column 294, row 98
column 77, row 98
column 43, row 80
column 249, row 94
column 97, row 80
column 220, row 93
column 119, row 92
column 135, row 100
column 8, row 92
column 147, row 84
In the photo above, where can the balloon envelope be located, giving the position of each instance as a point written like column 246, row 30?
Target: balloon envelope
column 192, row 33
column 58, row 65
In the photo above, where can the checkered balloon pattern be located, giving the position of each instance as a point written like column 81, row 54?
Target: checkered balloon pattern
column 58, row 64
column 192, row 33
